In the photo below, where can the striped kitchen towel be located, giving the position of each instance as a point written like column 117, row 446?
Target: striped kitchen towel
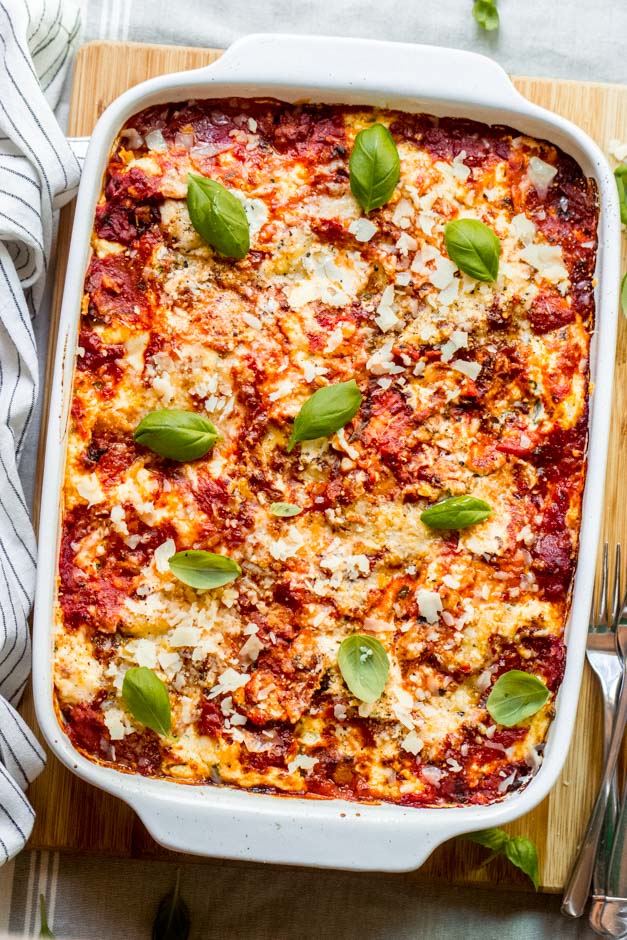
column 38, row 174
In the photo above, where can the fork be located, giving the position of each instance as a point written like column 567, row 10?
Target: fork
column 611, row 641
column 601, row 653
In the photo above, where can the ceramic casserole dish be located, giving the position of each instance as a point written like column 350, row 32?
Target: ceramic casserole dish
column 230, row 823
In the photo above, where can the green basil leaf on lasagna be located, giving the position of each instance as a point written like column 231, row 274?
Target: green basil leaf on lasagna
column 203, row 570
column 458, row 512
column 474, row 248
column 374, row 167
column 146, row 698
column 325, row 412
column 218, row 216
column 176, row 435
column 364, row 665
column 516, row 695
column 285, row 510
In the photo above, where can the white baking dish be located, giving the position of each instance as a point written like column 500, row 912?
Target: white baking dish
column 332, row 833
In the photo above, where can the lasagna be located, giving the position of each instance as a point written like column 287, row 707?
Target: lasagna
column 468, row 388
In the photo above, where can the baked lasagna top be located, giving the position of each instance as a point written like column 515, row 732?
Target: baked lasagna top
column 469, row 388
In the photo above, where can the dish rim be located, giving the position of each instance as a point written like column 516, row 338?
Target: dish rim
column 295, row 830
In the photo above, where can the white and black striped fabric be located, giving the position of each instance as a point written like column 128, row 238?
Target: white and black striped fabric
column 38, row 174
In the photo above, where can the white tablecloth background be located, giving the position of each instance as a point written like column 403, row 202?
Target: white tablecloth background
column 584, row 39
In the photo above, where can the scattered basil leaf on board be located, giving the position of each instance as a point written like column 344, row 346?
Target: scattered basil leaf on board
column 515, row 696
column 374, row 167
column 146, row 698
column 523, row 854
column 519, row 851
column 172, row 921
column 44, row 930
column 204, row 569
column 623, row 295
column 474, row 248
column 285, row 509
column 364, row 665
column 218, row 216
column 620, row 174
column 458, row 512
column 177, row 435
column 486, row 14
column 325, row 412
column 494, row 839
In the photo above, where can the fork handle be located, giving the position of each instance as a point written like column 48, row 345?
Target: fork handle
column 614, row 914
column 576, row 893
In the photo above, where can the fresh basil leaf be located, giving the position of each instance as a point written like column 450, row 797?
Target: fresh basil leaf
column 325, row 412
column 519, row 851
column 494, row 839
column 177, row 435
column 285, row 509
column 374, row 167
column 623, row 295
column 622, row 198
column 523, row 854
column 486, row 14
column 515, row 696
column 172, row 920
column 146, row 698
column 218, row 216
column 474, row 248
column 44, row 929
column 364, row 665
column 204, row 569
column 458, row 512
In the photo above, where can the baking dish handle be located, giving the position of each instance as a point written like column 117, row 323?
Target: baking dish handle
column 325, row 62
column 259, row 828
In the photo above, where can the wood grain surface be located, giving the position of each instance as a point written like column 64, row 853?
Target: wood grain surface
column 73, row 816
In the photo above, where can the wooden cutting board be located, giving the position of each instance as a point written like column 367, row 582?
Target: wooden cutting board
column 73, row 816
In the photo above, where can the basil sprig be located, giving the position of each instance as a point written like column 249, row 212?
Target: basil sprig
column 486, row 14
column 204, row 569
column 458, row 512
column 177, row 435
column 364, row 665
column 325, row 412
column 44, row 929
column 623, row 295
column 518, row 850
column 374, row 167
column 620, row 174
column 146, row 697
column 285, row 510
column 218, row 216
column 474, row 248
column 172, row 920
column 515, row 696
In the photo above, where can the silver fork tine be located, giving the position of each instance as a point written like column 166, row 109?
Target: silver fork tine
column 617, row 603
column 601, row 621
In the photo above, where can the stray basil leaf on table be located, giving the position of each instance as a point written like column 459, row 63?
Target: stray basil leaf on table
column 518, row 850
column 172, row 920
column 486, row 14
column 44, row 929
